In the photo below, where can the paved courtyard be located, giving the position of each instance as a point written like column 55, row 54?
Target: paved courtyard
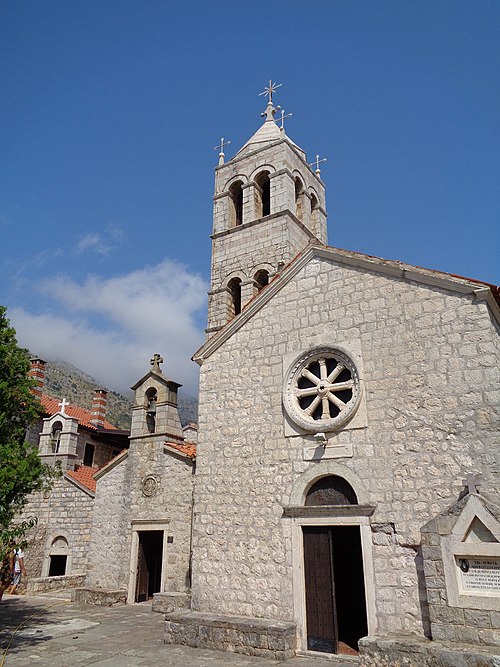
column 58, row 633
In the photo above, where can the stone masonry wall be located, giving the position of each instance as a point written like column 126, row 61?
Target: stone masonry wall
column 109, row 554
column 430, row 374
column 65, row 511
column 172, row 501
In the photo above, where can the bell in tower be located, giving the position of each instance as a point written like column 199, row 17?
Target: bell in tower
column 268, row 205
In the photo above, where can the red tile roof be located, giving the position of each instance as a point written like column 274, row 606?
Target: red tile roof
column 84, row 475
column 188, row 449
column 51, row 406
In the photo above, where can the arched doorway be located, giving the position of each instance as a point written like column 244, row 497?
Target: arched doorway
column 334, row 585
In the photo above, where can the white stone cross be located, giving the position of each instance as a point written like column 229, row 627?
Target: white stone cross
column 472, row 482
column 270, row 89
column 316, row 164
column 220, row 148
column 63, row 405
column 156, row 361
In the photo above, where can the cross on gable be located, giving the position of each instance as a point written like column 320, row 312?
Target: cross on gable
column 472, row 482
column 63, row 405
column 155, row 362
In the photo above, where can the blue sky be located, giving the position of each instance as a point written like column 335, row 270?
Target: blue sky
column 110, row 112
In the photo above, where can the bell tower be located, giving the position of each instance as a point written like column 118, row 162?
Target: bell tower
column 268, row 205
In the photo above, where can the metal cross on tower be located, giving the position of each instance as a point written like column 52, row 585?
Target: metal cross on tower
column 63, row 405
column 156, row 361
column 220, row 148
column 316, row 164
column 270, row 89
column 282, row 117
column 472, row 482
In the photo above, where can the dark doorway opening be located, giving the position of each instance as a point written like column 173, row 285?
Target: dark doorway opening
column 57, row 567
column 149, row 562
column 335, row 589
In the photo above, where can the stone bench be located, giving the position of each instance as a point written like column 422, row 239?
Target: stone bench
column 47, row 584
column 238, row 634
column 166, row 603
column 419, row 652
column 101, row 597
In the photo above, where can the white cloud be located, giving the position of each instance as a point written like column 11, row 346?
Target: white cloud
column 111, row 327
column 93, row 242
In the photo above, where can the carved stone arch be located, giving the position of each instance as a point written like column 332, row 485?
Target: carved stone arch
column 304, row 482
column 261, row 168
column 234, row 179
column 235, row 274
column 261, row 275
column 234, row 303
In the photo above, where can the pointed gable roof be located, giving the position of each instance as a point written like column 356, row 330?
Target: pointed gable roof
column 315, row 249
column 51, row 406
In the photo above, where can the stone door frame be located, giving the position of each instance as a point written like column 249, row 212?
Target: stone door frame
column 139, row 526
column 299, row 590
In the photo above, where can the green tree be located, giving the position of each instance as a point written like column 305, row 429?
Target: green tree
column 21, row 469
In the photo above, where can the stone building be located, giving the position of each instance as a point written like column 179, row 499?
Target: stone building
column 117, row 523
column 343, row 400
column 80, row 441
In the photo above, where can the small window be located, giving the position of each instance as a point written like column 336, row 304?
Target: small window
column 57, row 567
column 88, row 456
column 58, row 557
column 261, row 279
column 234, row 289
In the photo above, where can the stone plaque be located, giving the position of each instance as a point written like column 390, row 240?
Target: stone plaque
column 480, row 574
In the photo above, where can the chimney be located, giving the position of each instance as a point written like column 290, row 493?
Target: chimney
column 99, row 407
column 37, row 372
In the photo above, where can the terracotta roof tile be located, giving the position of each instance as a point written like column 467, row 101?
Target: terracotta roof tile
column 188, row 449
column 51, row 406
column 84, row 475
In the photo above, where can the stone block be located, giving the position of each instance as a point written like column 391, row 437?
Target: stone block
column 165, row 603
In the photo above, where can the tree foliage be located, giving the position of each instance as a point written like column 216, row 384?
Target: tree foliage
column 21, row 469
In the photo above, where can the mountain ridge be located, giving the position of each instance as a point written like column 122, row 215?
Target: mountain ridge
column 63, row 380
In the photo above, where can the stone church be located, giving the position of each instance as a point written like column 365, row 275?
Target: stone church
column 345, row 499
column 346, row 489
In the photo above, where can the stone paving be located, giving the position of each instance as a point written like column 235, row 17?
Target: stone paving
column 58, row 633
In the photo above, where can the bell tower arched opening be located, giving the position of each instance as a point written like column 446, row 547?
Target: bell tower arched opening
column 234, row 289
column 299, row 196
column 264, row 194
column 236, row 204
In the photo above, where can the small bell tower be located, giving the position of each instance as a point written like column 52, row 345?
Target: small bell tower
column 154, row 413
column 268, row 205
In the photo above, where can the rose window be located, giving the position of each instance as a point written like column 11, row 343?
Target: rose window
column 322, row 390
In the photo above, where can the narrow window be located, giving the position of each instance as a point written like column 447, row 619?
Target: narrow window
column 58, row 557
column 236, row 203
column 261, row 279
column 264, row 184
column 234, row 289
column 299, row 191
column 88, row 456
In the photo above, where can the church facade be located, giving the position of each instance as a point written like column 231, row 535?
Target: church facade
column 348, row 407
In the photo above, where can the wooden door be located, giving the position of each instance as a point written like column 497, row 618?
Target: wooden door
column 142, row 579
column 322, row 633
column 335, row 591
